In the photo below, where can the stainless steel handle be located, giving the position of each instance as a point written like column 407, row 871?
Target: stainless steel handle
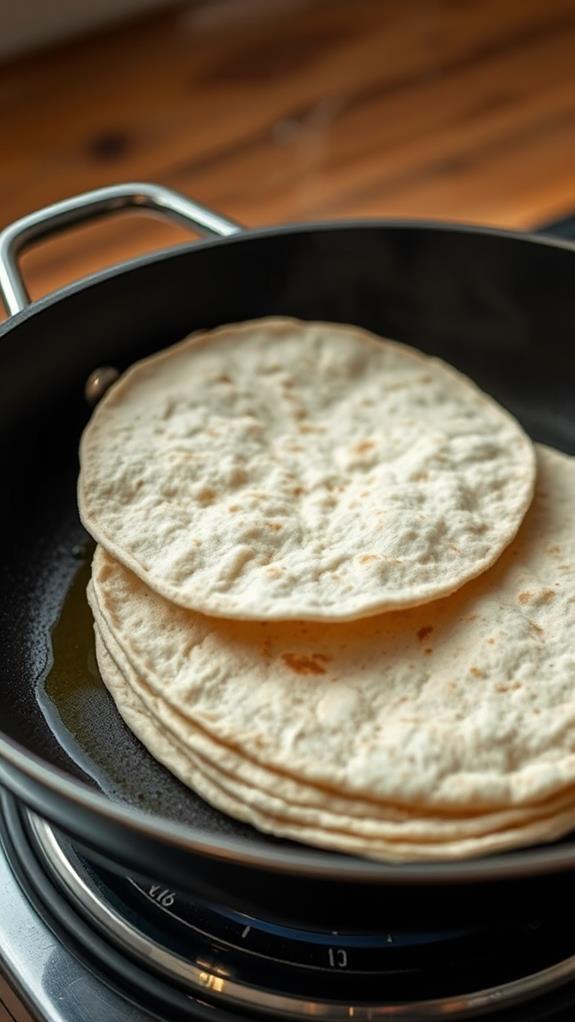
column 101, row 202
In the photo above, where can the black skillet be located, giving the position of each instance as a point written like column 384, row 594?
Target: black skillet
column 496, row 304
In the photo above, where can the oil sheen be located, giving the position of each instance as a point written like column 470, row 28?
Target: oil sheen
column 72, row 689
column 83, row 717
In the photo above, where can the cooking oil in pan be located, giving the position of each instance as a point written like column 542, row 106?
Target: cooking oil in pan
column 72, row 690
column 74, row 666
column 83, row 718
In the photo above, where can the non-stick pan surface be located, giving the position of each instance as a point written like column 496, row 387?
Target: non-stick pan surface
column 499, row 306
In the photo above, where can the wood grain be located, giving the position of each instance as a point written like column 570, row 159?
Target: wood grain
column 276, row 110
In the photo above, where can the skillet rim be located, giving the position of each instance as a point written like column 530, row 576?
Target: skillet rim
column 244, row 234
column 240, row 851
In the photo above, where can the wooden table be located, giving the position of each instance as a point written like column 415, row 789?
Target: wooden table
column 274, row 110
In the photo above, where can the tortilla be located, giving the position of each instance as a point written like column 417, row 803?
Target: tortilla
column 274, row 794
column 302, row 471
column 468, row 704
column 187, row 769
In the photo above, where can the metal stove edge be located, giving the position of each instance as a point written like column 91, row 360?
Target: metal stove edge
column 42, row 981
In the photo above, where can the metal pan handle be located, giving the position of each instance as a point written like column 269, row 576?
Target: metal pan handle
column 90, row 205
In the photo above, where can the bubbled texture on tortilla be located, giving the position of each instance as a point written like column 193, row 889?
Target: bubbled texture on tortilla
column 286, row 470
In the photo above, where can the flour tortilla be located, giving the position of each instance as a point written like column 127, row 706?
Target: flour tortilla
column 242, row 780
column 186, row 768
column 287, row 470
column 469, row 703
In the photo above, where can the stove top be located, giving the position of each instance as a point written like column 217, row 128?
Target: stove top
column 80, row 944
column 40, row 979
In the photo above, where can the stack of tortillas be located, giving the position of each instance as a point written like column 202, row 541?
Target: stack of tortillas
column 334, row 591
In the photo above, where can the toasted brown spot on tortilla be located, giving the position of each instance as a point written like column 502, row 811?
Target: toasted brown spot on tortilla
column 524, row 597
column 302, row 664
column 238, row 476
column 424, row 632
column 206, row 495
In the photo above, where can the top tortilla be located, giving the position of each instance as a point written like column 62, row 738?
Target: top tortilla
column 287, row 470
